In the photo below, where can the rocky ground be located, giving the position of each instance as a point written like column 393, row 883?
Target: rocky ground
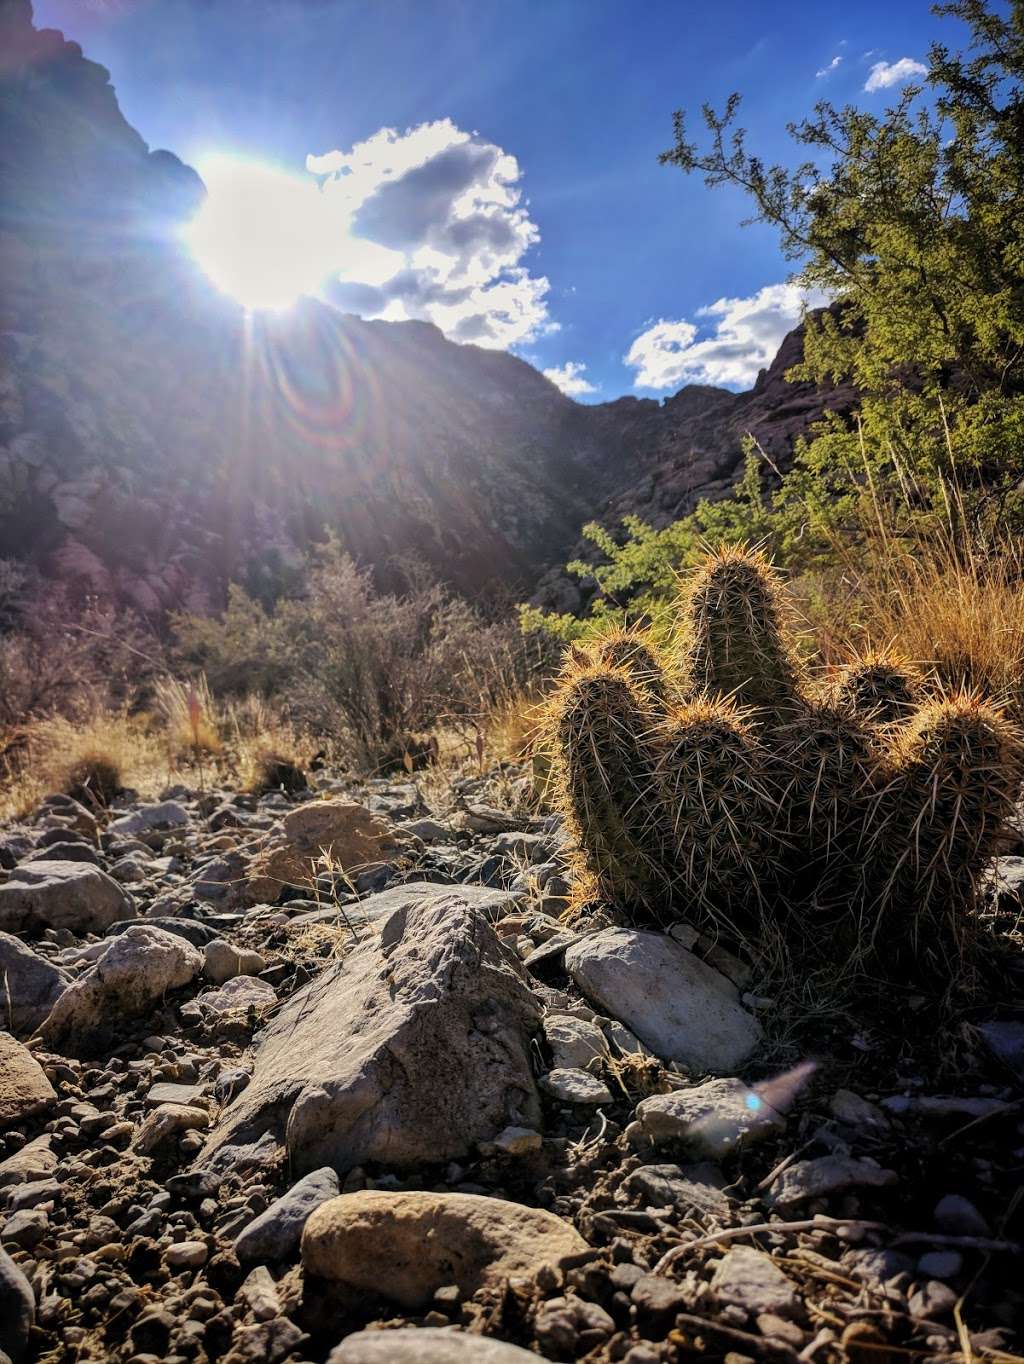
column 256, row 1105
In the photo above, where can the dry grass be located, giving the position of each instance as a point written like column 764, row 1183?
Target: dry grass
column 189, row 716
column 56, row 753
column 263, row 745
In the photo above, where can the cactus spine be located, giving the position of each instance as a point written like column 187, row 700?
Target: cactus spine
column 881, row 687
column 634, row 654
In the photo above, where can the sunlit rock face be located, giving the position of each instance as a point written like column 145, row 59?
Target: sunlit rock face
column 156, row 442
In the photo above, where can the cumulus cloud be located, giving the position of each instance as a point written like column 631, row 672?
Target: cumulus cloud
column 746, row 334
column 885, row 74
column 571, row 378
column 436, row 230
column 827, row 70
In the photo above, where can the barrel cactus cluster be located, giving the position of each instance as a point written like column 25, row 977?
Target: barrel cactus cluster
column 713, row 782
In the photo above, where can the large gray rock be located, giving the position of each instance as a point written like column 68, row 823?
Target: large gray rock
column 24, row 1089
column 276, row 1232
column 426, row 1345
column 411, row 1049
column 134, row 972
column 675, row 1003
column 72, row 895
column 29, row 986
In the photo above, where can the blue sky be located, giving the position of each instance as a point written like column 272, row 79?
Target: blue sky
column 530, row 212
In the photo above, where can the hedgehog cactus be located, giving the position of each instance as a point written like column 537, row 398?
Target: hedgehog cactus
column 955, row 776
column 735, row 642
column 881, row 687
column 719, row 813
column 868, row 813
column 609, row 785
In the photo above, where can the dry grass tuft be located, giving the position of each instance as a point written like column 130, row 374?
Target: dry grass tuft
column 189, row 716
column 92, row 758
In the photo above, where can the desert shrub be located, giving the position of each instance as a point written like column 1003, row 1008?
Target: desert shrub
column 360, row 667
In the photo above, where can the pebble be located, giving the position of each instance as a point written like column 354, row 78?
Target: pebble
column 187, row 1254
column 940, row 1264
column 576, row 1087
column 957, row 1216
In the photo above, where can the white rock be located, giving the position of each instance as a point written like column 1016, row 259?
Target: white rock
column 675, row 1003
column 137, row 969
column 574, row 1043
column 576, row 1087
column 224, row 961
column 426, row 1345
column 167, row 814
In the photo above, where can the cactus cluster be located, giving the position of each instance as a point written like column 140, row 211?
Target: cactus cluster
column 719, row 786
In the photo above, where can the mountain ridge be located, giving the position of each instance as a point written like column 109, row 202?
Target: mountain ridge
column 156, row 442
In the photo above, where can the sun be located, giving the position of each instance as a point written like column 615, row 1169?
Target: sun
column 262, row 235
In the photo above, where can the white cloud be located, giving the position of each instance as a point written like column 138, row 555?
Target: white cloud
column 436, row 230
column 827, row 70
column 570, row 378
column 885, row 74
column 747, row 335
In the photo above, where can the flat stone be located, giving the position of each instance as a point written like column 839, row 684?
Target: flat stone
column 576, row 1087
column 854, row 1111
column 224, row 961
column 680, row 1007
column 714, row 1116
column 276, row 1233
column 750, row 1279
column 165, row 814
column 171, row 1092
column 24, row 1089
column 828, row 1175
column 353, row 1067
column 688, row 1189
column 72, row 895
column 35, row 1160
column 351, row 835
column 238, row 995
column 404, row 1246
column 426, row 1345
column 940, row 1264
column 29, row 986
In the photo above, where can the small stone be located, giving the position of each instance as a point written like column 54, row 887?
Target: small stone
column 752, row 1280
column 276, row 1233
column 575, row 1044
column 26, row 1227
column 851, row 1109
column 186, row 1254
column 690, row 1189
column 656, row 1296
column 35, row 1160
column 957, row 1216
column 826, row 1175
column 777, row 1329
column 933, row 1299
column 223, row 961
column 714, row 1116
column 512, row 1141
column 940, row 1264
column 260, row 1295
column 165, row 1122
column 576, row 1087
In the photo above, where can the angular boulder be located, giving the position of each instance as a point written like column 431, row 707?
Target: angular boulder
column 349, row 834
column 276, row 1232
column 134, row 973
column 411, row 1049
column 714, row 1116
column 405, row 1246
column 676, row 1004
column 24, row 1089
column 29, row 986
column 72, row 895
column 166, row 814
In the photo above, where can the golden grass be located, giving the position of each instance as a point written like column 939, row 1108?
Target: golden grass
column 56, row 752
column 189, row 716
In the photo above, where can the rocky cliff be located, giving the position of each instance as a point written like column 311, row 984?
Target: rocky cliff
column 156, row 443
